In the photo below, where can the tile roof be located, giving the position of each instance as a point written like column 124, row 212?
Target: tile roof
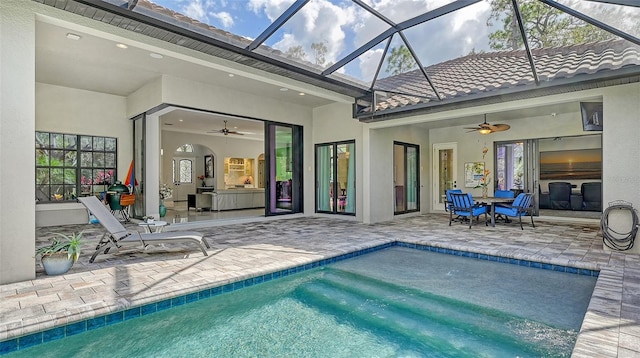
column 485, row 72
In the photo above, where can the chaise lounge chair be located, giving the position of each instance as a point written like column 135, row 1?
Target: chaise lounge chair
column 117, row 234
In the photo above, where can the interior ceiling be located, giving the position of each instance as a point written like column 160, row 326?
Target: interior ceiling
column 188, row 121
column 505, row 116
column 95, row 64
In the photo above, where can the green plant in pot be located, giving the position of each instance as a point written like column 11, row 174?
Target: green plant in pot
column 62, row 252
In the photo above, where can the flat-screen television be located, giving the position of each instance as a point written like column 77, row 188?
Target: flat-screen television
column 571, row 164
column 591, row 116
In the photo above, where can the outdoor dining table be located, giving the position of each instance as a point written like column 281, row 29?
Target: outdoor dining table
column 492, row 201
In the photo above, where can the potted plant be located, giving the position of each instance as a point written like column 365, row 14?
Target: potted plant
column 61, row 253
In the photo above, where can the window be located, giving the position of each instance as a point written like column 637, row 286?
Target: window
column 70, row 165
column 335, row 178
column 185, row 148
column 185, row 171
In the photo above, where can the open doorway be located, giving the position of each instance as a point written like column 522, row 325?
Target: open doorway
column 564, row 173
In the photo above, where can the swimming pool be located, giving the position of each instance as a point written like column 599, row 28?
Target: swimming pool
column 394, row 302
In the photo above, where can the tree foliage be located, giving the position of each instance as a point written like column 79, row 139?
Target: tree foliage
column 319, row 52
column 296, row 52
column 544, row 25
column 400, row 60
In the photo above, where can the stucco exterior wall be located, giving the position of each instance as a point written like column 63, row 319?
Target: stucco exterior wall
column 69, row 110
column 381, row 163
column 333, row 123
column 17, row 142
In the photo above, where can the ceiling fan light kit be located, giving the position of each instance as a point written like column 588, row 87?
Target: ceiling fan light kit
column 488, row 128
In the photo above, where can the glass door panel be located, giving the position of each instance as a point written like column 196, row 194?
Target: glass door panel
column 412, row 178
column 516, row 166
column 444, row 172
column 346, row 178
column 406, row 179
column 335, row 178
column 325, row 185
column 398, row 177
column 509, row 166
column 283, row 146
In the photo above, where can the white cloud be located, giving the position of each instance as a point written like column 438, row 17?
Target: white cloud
column 196, row 10
column 272, row 8
column 225, row 19
column 368, row 63
column 345, row 27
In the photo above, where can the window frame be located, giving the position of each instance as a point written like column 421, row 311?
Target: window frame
column 101, row 152
column 334, row 192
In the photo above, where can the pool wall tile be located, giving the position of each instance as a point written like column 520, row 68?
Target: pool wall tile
column 115, row 317
column 77, row 327
column 30, row 340
column 132, row 313
column 148, row 309
column 178, row 301
column 192, row 297
column 163, row 305
column 97, row 322
column 53, row 334
column 9, row 346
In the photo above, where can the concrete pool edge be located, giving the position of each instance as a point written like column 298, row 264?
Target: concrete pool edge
column 119, row 314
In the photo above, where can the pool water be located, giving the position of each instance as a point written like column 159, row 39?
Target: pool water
column 396, row 302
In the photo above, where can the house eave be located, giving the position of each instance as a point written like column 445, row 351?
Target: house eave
column 567, row 85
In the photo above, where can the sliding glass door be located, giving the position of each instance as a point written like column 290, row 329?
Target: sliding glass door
column 335, row 178
column 444, row 171
column 516, row 166
column 406, row 181
column 283, row 148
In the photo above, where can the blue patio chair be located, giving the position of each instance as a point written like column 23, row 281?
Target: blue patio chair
column 503, row 194
column 447, row 201
column 521, row 206
column 462, row 205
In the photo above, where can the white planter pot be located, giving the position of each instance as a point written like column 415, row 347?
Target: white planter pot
column 57, row 263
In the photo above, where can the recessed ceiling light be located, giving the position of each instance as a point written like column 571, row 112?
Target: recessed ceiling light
column 75, row 37
column 156, row 55
column 284, row 89
column 180, row 120
column 231, row 75
column 123, row 46
column 301, row 93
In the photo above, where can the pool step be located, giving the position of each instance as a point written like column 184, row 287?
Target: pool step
column 426, row 322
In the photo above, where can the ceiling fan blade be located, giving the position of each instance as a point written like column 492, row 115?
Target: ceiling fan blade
column 474, row 128
column 501, row 127
column 234, row 132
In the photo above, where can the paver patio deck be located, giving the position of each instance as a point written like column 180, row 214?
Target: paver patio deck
column 132, row 277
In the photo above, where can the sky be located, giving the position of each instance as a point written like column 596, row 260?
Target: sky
column 343, row 26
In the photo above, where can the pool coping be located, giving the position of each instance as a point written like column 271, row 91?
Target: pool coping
column 28, row 340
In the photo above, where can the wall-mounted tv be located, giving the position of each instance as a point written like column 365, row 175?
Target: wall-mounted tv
column 571, row 164
column 591, row 116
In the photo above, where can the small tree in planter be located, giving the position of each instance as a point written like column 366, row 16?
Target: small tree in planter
column 59, row 256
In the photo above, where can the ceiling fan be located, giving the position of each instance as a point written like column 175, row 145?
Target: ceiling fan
column 488, row 128
column 226, row 131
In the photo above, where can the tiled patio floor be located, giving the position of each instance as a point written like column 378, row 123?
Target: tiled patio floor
column 238, row 251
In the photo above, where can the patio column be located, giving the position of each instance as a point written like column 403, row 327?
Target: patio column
column 17, row 143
